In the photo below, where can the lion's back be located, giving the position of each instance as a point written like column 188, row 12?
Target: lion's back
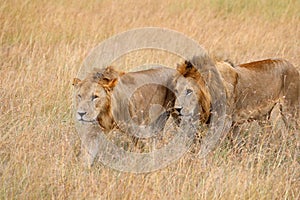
column 142, row 91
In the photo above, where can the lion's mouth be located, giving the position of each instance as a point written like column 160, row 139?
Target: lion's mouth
column 87, row 121
column 180, row 113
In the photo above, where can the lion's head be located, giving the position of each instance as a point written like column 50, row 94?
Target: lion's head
column 93, row 97
column 191, row 92
column 200, row 77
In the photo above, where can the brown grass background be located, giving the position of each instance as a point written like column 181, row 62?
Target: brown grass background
column 42, row 45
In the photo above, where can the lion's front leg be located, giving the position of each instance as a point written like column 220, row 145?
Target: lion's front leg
column 89, row 151
column 89, row 147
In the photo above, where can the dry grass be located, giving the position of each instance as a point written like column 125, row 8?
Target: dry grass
column 42, row 46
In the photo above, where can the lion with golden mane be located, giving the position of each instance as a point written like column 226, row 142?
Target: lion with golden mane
column 253, row 90
column 108, row 99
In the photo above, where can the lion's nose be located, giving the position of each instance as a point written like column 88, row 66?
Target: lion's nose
column 81, row 114
column 178, row 110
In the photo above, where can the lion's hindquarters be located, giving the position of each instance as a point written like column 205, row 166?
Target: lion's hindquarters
column 264, row 85
column 291, row 84
column 291, row 88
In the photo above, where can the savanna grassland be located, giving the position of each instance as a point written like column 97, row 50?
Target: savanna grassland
column 42, row 46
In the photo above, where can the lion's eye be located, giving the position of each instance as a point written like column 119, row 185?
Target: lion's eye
column 79, row 97
column 189, row 91
column 94, row 96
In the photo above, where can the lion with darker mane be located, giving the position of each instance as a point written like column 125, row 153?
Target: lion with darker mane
column 253, row 90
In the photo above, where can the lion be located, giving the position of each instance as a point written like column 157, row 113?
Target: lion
column 253, row 90
column 135, row 102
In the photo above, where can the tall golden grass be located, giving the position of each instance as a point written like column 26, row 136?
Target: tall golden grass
column 42, row 47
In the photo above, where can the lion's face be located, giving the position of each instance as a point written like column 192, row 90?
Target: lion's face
column 192, row 93
column 186, row 98
column 91, row 101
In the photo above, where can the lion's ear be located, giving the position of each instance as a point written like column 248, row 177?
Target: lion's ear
column 111, row 84
column 188, row 65
column 181, row 69
column 76, row 81
column 185, row 68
